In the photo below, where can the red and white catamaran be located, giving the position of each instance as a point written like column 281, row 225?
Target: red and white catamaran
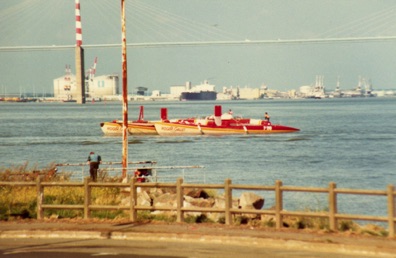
column 218, row 124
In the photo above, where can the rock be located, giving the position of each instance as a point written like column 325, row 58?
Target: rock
column 196, row 198
column 196, row 193
column 165, row 200
column 189, row 205
column 143, row 199
column 154, row 192
column 250, row 200
column 199, row 202
column 219, row 203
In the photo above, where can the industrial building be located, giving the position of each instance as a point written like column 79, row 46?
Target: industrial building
column 97, row 88
column 248, row 93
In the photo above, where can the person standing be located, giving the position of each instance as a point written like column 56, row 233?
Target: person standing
column 139, row 176
column 266, row 116
column 94, row 160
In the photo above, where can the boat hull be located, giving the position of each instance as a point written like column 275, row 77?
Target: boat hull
column 142, row 129
column 174, row 129
column 247, row 129
column 111, row 128
column 115, row 128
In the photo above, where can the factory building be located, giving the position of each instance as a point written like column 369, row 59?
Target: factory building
column 98, row 87
column 101, row 86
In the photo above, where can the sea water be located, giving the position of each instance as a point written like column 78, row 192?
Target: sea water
column 349, row 141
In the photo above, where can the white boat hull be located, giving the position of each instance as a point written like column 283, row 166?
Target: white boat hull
column 142, row 129
column 115, row 129
column 111, row 128
column 173, row 129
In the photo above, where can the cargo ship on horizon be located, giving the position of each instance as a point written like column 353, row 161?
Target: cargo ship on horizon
column 201, row 95
column 204, row 91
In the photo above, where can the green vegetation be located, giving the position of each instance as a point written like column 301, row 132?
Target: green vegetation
column 20, row 202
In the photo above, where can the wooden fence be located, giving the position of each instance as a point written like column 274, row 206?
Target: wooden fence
column 332, row 192
column 157, row 173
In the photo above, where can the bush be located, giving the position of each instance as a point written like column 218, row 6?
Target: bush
column 197, row 219
column 346, row 225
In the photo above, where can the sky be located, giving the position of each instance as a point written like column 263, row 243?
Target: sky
column 279, row 65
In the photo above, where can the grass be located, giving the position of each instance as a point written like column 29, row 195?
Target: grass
column 21, row 202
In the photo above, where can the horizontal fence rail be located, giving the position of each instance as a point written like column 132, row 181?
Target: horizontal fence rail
column 157, row 173
column 278, row 212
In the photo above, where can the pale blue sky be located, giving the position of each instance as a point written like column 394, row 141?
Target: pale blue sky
column 279, row 66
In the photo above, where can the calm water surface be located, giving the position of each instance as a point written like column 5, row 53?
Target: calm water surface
column 351, row 142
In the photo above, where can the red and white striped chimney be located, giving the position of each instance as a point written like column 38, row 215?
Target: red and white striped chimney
column 78, row 25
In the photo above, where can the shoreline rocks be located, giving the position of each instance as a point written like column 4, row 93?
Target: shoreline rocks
column 198, row 198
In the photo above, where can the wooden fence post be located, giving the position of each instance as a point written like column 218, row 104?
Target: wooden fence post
column 278, row 204
column 332, row 206
column 228, row 201
column 179, row 201
column 40, row 197
column 391, row 211
column 133, row 200
column 87, row 197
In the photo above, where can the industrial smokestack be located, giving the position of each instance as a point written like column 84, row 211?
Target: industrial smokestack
column 78, row 25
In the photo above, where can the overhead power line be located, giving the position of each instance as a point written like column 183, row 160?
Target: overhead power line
column 205, row 43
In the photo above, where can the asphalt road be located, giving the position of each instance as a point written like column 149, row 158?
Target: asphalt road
column 81, row 238
column 78, row 248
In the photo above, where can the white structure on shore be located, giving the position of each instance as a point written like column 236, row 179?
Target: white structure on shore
column 316, row 91
column 363, row 89
column 96, row 87
column 248, row 93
